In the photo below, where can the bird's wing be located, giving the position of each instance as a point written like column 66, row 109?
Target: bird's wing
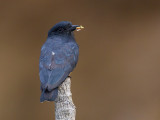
column 56, row 64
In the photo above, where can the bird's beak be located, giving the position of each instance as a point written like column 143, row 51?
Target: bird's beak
column 79, row 28
column 76, row 27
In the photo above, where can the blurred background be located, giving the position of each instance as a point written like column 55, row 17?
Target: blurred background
column 118, row 74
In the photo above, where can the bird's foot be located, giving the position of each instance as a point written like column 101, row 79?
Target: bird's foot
column 69, row 76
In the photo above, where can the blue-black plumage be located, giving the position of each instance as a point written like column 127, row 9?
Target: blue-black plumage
column 59, row 56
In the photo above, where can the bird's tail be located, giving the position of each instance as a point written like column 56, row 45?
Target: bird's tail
column 48, row 95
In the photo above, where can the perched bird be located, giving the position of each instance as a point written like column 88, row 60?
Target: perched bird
column 59, row 56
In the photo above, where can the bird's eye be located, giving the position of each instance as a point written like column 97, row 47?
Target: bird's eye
column 69, row 25
column 60, row 29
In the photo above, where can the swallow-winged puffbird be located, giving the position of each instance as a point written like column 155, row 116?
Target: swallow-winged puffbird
column 59, row 56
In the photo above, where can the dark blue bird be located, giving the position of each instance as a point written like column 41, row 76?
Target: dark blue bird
column 59, row 56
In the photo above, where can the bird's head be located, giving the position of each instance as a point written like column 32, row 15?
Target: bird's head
column 64, row 28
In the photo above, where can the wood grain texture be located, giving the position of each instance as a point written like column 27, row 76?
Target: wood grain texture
column 64, row 107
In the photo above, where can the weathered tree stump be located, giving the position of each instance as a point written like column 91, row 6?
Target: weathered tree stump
column 64, row 107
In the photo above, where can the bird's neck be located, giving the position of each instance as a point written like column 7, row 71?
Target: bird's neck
column 63, row 38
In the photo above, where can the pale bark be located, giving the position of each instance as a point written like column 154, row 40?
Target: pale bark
column 64, row 107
